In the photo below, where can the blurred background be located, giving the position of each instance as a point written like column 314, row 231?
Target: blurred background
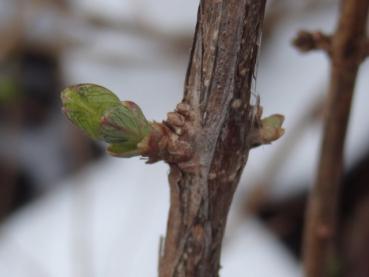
column 68, row 209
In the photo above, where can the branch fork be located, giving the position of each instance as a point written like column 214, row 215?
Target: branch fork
column 346, row 48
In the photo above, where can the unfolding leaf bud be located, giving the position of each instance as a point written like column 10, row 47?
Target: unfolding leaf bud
column 266, row 130
column 101, row 114
column 124, row 127
column 271, row 128
column 85, row 104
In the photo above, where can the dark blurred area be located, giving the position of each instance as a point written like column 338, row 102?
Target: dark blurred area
column 285, row 218
column 38, row 147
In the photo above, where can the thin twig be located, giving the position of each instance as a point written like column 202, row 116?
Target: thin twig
column 346, row 52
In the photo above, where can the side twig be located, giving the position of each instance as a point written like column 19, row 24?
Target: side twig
column 346, row 48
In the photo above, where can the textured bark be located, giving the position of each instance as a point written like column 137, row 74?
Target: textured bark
column 217, row 90
column 347, row 50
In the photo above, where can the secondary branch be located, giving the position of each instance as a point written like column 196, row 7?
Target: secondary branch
column 346, row 48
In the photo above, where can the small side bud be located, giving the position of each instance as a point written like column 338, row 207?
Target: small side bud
column 269, row 130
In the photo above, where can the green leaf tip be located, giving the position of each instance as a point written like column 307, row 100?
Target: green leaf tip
column 272, row 128
column 85, row 104
column 267, row 130
column 102, row 116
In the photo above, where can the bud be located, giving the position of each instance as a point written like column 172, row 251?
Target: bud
column 266, row 130
column 137, row 113
column 124, row 127
column 85, row 104
column 101, row 114
column 271, row 128
column 124, row 123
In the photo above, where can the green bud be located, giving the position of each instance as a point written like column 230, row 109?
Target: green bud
column 137, row 113
column 101, row 114
column 271, row 128
column 123, row 124
column 85, row 104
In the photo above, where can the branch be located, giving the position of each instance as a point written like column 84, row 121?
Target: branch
column 346, row 52
column 217, row 90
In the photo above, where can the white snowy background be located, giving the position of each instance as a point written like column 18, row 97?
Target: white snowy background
column 107, row 220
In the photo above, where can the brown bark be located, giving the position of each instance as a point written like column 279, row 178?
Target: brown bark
column 220, row 120
column 347, row 51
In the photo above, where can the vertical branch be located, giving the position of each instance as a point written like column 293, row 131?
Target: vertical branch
column 347, row 49
column 216, row 98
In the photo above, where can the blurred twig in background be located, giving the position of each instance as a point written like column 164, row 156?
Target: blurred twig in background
column 347, row 51
column 279, row 10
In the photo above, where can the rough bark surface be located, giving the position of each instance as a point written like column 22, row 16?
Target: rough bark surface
column 217, row 92
column 347, row 49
